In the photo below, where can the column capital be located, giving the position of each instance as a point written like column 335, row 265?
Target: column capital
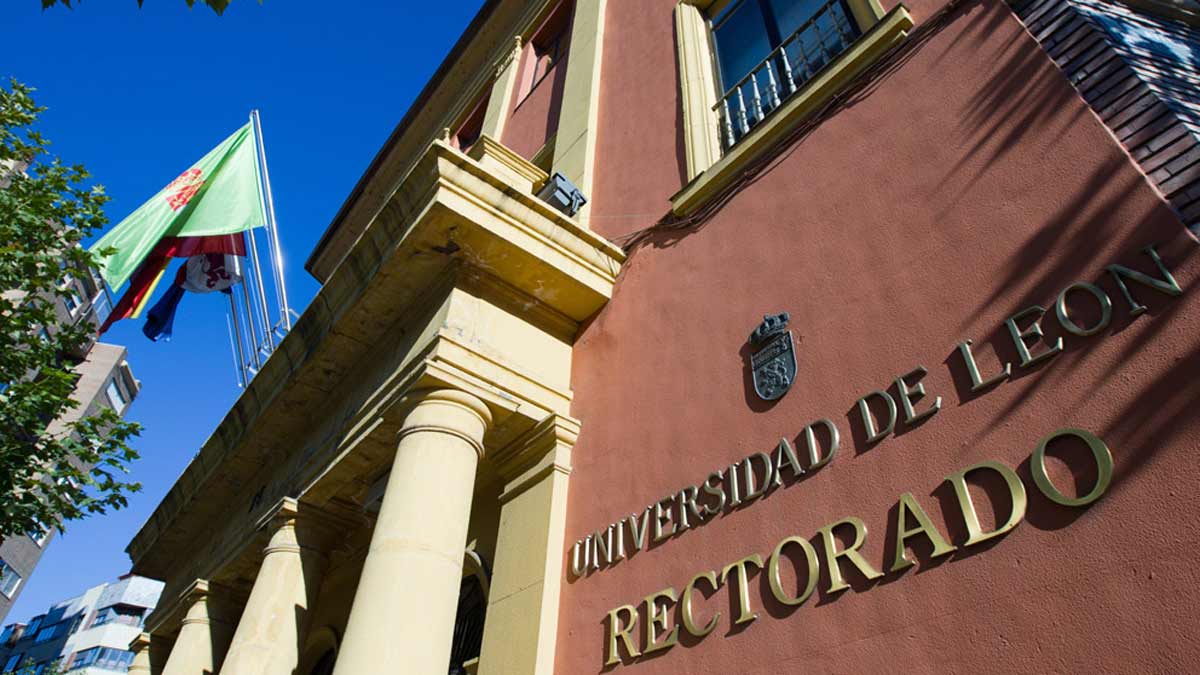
column 313, row 528
column 543, row 449
column 447, row 411
column 140, row 641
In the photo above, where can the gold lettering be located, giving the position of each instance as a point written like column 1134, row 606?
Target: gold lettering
column 1166, row 285
column 687, row 502
column 815, row 461
column 715, row 490
column 639, row 534
column 614, row 654
column 786, row 456
column 745, row 615
column 1104, row 466
column 814, row 571
column 1019, row 335
column 868, row 419
column 1064, row 319
column 656, row 620
column 689, row 612
column 579, row 561
column 977, row 382
column 662, row 517
column 975, row 533
column 906, row 392
column 735, row 497
column 836, row 581
column 604, row 542
column 924, row 526
column 753, row 491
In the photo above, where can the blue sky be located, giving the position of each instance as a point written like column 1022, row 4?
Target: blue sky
column 139, row 95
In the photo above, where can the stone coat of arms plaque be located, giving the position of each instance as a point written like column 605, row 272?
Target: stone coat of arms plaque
column 773, row 362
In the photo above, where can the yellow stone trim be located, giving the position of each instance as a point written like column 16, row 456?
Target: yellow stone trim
column 697, row 88
column 503, row 86
column 575, row 141
column 883, row 36
column 522, row 628
column 492, row 154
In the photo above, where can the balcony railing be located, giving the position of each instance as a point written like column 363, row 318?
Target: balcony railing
column 784, row 71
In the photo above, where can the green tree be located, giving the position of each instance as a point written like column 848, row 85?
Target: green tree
column 50, row 472
column 217, row 6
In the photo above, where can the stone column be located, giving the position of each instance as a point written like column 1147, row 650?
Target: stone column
column 275, row 620
column 141, row 654
column 522, row 614
column 403, row 614
column 203, row 638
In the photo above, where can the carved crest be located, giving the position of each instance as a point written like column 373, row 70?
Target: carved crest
column 773, row 363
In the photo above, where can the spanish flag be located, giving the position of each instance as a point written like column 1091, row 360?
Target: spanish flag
column 206, row 210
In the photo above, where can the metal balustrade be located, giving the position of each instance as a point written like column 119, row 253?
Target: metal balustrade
column 784, row 71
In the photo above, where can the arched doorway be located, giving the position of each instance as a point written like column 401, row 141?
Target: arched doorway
column 472, row 610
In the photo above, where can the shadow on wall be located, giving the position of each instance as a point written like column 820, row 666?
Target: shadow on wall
column 670, row 229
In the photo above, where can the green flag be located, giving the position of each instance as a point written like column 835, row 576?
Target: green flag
column 217, row 195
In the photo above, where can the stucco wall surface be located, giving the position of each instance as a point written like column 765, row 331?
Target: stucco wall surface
column 964, row 185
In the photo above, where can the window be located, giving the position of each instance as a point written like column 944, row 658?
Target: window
column 41, row 537
column 103, row 657
column 124, row 614
column 546, row 49
column 34, row 623
column 46, row 634
column 101, row 305
column 752, row 70
column 547, row 55
column 85, row 658
column 11, row 664
column 767, row 49
column 7, row 634
column 115, row 398
column 9, row 579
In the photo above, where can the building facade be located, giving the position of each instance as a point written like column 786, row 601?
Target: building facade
column 869, row 349
column 85, row 635
column 105, row 379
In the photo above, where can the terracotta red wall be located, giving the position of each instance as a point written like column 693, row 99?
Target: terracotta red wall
column 534, row 118
column 965, row 185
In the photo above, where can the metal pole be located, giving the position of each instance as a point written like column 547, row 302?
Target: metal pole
column 259, row 287
column 250, row 325
column 235, row 338
column 285, row 311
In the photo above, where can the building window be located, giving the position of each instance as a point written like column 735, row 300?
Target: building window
column 116, row 399
column 9, row 579
column 123, row 614
column 101, row 305
column 6, row 636
column 34, row 624
column 11, row 664
column 768, row 49
column 103, row 657
column 41, row 537
column 46, row 634
column 547, row 48
column 751, row 70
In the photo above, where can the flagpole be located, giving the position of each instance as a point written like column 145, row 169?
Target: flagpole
column 235, row 336
column 285, row 311
column 260, row 288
